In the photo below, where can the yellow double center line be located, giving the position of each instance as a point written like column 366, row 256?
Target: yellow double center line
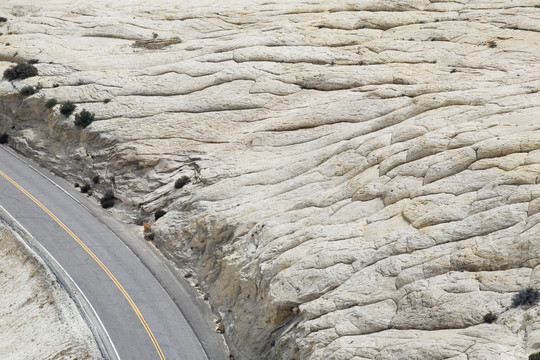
column 97, row 260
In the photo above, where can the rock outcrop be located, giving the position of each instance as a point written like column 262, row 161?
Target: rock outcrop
column 363, row 174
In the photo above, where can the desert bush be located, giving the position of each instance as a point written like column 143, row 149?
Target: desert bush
column 85, row 188
column 28, row 90
column 490, row 317
column 2, row 19
column 159, row 214
column 84, row 118
column 107, row 200
column 535, row 356
column 95, row 179
column 527, row 296
column 51, row 103
column 67, row 108
column 180, row 182
column 4, row 138
column 20, row 71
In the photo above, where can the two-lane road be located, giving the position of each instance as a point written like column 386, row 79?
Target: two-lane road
column 136, row 311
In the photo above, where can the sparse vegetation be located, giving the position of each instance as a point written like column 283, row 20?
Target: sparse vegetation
column 33, row 61
column 4, row 138
column 107, row 201
column 181, row 182
column 490, row 317
column 95, row 179
column 147, row 231
column 2, row 19
column 159, row 213
column 20, row 71
column 85, row 188
column 492, row 44
column 67, row 108
column 28, row 90
column 527, row 296
column 51, row 103
column 535, row 356
column 106, row 101
column 84, row 118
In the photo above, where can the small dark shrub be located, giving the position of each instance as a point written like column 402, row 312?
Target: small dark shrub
column 85, row 188
column 106, row 101
column 107, row 203
column 149, row 235
column 180, row 182
column 28, row 90
column 4, row 138
column 84, row 118
column 33, row 61
column 51, row 103
column 95, row 179
column 67, row 108
column 159, row 214
column 535, row 356
column 107, row 200
column 20, row 71
column 55, row 85
column 492, row 44
column 490, row 317
column 528, row 296
column 2, row 19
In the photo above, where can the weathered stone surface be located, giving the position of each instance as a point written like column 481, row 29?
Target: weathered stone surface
column 363, row 175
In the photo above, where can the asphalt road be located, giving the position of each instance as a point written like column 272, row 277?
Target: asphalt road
column 125, row 285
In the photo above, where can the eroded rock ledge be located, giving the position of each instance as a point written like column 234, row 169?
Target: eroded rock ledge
column 363, row 175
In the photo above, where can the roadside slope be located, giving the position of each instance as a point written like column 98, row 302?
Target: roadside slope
column 39, row 320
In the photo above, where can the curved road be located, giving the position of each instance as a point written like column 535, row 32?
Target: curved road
column 139, row 315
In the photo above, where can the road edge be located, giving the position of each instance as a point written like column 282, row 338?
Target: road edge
column 87, row 312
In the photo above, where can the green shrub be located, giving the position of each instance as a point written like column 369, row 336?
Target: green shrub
column 51, row 103
column 159, row 214
column 490, row 317
column 85, row 188
column 20, row 71
column 535, row 356
column 28, row 90
column 528, row 296
column 4, row 138
column 67, row 108
column 107, row 200
column 180, row 182
column 84, row 118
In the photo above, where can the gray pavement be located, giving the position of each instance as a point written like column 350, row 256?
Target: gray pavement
column 181, row 326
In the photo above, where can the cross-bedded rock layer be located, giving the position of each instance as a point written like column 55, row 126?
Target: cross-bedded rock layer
column 363, row 174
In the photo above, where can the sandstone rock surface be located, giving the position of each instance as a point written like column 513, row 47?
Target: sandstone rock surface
column 363, row 174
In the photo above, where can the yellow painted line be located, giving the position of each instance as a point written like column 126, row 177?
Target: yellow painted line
column 91, row 253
